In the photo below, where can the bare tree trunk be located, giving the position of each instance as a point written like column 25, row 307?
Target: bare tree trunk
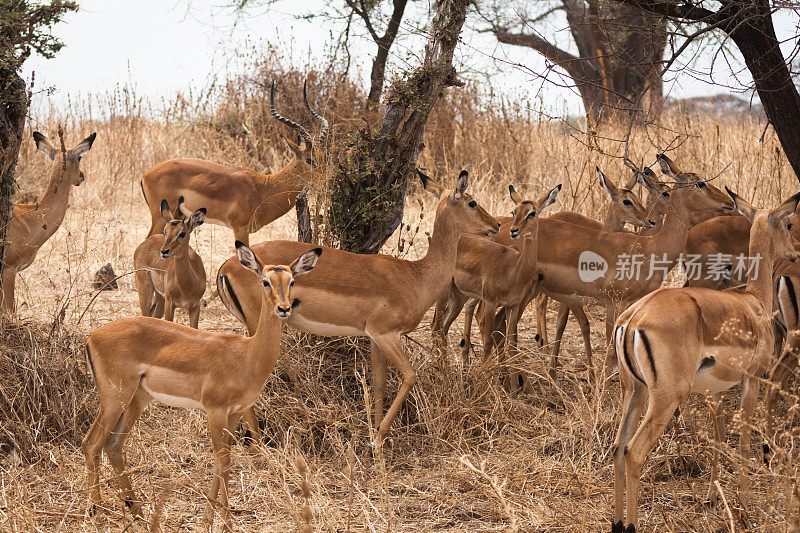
column 13, row 110
column 304, row 233
column 371, row 179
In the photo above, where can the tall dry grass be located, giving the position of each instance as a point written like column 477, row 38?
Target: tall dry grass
column 463, row 455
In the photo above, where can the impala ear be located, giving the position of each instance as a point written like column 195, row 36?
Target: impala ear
column 549, row 198
column 165, row 212
column 295, row 148
column 429, row 185
column 784, row 210
column 461, row 185
column 44, row 145
column 741, row 205
column 197, row 218
column 515, row 197
column 607, row 184
column 306, row 262
column 667, row 166
column 647, row 179
column 248, row 258
column 82, row 147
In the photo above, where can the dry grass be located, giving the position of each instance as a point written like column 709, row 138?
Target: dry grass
column 463, row 455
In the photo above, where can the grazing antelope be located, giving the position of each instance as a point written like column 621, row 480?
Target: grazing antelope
column 32, row 225
column 169, row 273
column 497, row 275
column 138, row 359
column 241, row 199
column 680, row 340
column 377, row 296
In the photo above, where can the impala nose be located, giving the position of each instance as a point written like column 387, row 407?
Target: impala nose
column 165, row 253
column 494, row 231
column 284, row 311
column 650, row 223
column 514, row 233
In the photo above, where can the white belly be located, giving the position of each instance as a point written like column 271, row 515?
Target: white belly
column 173, row 401
column 705, row 383
column 322, row 328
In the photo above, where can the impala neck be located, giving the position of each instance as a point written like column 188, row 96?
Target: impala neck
column 760, row 246
column 436, row 269
column 528, row 255
column 613, row 220
column 264, row 345
column 54, row 203
column 281, row 189
column 671, row 238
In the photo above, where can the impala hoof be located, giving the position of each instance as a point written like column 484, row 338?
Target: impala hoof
column 617, row 527
column 92, row 511
column 462, row 343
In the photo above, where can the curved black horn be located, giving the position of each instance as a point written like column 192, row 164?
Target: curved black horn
column 322, row 132
column 285, row 120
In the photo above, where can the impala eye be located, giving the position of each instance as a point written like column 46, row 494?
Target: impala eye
column 665, row 194
column 291, row 283
column 80, row 157
column 473, row 204
column 265, row 282
column 789, row 225
column 702, row 184
column 182, row 234
column 532, row 214
column 627, row 202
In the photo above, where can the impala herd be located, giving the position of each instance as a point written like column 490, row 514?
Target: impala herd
column 665, row 342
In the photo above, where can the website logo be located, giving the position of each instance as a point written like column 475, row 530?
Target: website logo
column 591, row 266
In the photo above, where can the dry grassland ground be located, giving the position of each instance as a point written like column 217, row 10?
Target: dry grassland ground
column 463, row 455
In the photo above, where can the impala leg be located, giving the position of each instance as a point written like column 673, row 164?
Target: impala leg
column 778, row 377
column 157, row 307
column 113, row 448
column 392, row 349
column 379, row 371
column 455, row 303
column 583, row 323
column 659, row 411
column 251, row 420
column 750, row 390
column 718, row 423
column 469, row 314
column 9, row 280
column 632, row 402
column 112, row 406
column 144, row 286
column 169, row 311
column 194, row 316
column 610, row 363
column 541, row 318
column 436, row 325
column 219, row 431
column 563, row 315
column 510, row 350
column 487, row 328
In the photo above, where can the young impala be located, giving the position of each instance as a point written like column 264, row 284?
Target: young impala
column 239, row 198
column 378, row 296
column 169, row 273
column 681, row 340
column 138, row 359
column 33, row 224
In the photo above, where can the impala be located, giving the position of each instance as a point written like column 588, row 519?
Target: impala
column 378, row 296
column 241, row 199
column 32, row 225
column 625, row 207
column 681, row 340
column 169, row 273
column 495, row 274
column 137, row 359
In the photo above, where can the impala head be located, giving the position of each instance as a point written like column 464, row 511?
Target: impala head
column 178, row 228
column 711, row 197
column 771, row 226
column 304, row 151
column 278, row 280
column 73, row 157
column 628, row 206
column 470, row 216
column 526, row 212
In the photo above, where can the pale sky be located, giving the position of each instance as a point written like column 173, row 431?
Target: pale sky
column 163, row 46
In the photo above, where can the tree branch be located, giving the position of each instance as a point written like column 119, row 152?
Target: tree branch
column 577, row 68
